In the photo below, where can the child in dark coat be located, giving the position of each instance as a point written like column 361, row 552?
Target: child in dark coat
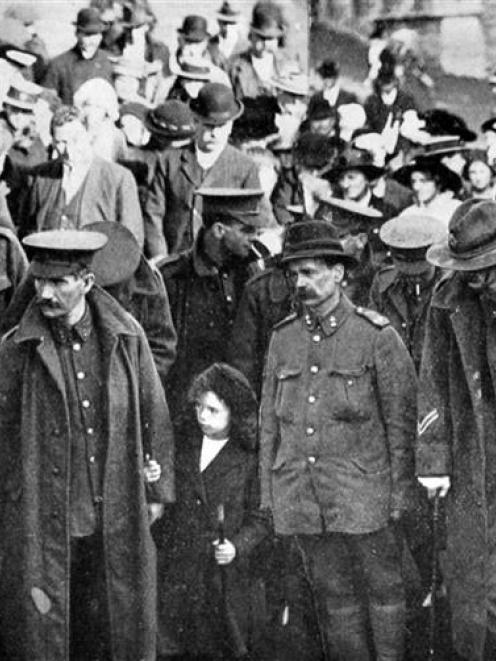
column 211, row 602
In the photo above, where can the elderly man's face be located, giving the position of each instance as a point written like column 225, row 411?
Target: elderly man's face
column 314, row 280
column 72, row 143
column 88, row 44
column 210, row 138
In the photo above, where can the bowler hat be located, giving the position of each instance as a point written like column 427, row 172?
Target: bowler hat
column 119, row 258
column 194, row 29
column 199, row 70
column 56, row 253
column 328, row 69
column 241, row 204
column 354, row 159
column 320, row 108
column 171, row 119
column 448, row 178
column 313, row 238
column 135, row 16
column 89, row 21
column 267, row 20
column 227, row 14
column 471, row 244
column 216, row 104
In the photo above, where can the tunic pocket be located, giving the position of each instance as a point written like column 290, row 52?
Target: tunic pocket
column 288, row 391
column 351, row 393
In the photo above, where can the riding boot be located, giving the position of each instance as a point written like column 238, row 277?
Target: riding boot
column 388, row 628
column 347, row 634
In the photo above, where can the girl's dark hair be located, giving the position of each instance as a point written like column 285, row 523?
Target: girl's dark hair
column 233, row 388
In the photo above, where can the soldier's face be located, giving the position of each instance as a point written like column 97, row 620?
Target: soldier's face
column 237, row 238
column 213, row 415
column 64, row 297
column 314, row 280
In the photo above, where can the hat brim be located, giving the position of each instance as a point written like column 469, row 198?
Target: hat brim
column 180, row 134
column 450, row 179
column 91, row 29
column 21, row 105
column 274, row 33
column 217, row 119
column 195, row 37
column 119, row 258
column 295, row 91
column 314, row 252
column 370, row 171
column 222, row 18
column 440, row 255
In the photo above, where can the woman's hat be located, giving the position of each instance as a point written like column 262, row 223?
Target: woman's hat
column 227, row 14
column 199, row 69
column 22, row 94
column 171, row 119
column 194, row 29
column 471, row 243
column 216, row 104
column 267, row 20
column 119, row 258
column 448, row 178
column 354, row 159
column 296, row 84
column 313, row 239
column 441, row 122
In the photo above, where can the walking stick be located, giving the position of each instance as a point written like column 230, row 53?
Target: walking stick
column 232, row 626
column 431, row 597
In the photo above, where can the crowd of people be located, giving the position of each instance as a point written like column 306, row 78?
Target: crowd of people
column 246, row 363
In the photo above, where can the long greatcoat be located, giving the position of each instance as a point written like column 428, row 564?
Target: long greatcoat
column 193, row 608
column 451, row 442
column 34, row 478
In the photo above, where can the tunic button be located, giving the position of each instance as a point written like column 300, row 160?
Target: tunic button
column 80, row 375
column 210, row 324
column 316, row 338
column 350, row 382
column 198, row 501
column 375, row 230
column 311, row 399
column 55, row 470
column 85, row 404
column 92, row 459
column 314, row 369
column 76, row 346
column 229, row 299
column 311, row 460
column 90, row 431
column 310, row 431
column 403, row 324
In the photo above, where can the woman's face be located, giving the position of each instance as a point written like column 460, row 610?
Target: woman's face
column 479, row 175
column 213, row 415
column 424, row 186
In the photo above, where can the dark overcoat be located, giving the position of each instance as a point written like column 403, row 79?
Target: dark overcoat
column 193, row 609
column 245, row 80
column 35, row 479
column 337, row 423
column 452, row 442
column 172, row 212
column 109, row 193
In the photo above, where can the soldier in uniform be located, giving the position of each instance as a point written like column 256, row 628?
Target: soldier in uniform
column 336, row 448
column 403, row 290
column 205, row 283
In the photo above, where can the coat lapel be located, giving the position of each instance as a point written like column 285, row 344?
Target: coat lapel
column 190, row 167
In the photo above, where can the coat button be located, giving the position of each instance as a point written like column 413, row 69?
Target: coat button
column 311, row 399
column 85, row 404
column 198, row 501
column 350, row 382
column 311, row 460
column 229, row 299
column 316, row 338
column 56, row 470
column 90, row 431
column 80, row 376
column 76, row 346
column 403, row 324
column 310, row 431
column 314, row 369
column 92, row 459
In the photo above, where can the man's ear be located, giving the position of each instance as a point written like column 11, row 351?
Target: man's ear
column 218, row 230
column 338, row 271
column 89, row 281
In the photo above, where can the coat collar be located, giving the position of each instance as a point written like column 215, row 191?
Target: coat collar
column 107, row 315
column 332, row 321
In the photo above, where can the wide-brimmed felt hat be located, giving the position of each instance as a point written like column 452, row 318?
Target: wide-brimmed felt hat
column 194, row 29
column 296, row 84
column 440, row 146
column 227, row 14
column 449, row 179
column 313, row 239
column 22, row 94
column 320, row 108
column 171, row 119
column 412, row 231
column 328, row 69
column 489, row 125
column 119, row 258
column 241, row 204
column 56, row 253
column 354, row 159
column 345, row 216
column 442, row 122
column 267, row 20
column 216, row 104
column 89, row 21
column 471, row 243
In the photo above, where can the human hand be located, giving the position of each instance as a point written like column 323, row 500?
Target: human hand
column 155, row 511
column 152, row 470
column 439, row 484
column 225, row 552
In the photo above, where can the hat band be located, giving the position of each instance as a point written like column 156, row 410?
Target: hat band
column 478, row 250
column 169, row 127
